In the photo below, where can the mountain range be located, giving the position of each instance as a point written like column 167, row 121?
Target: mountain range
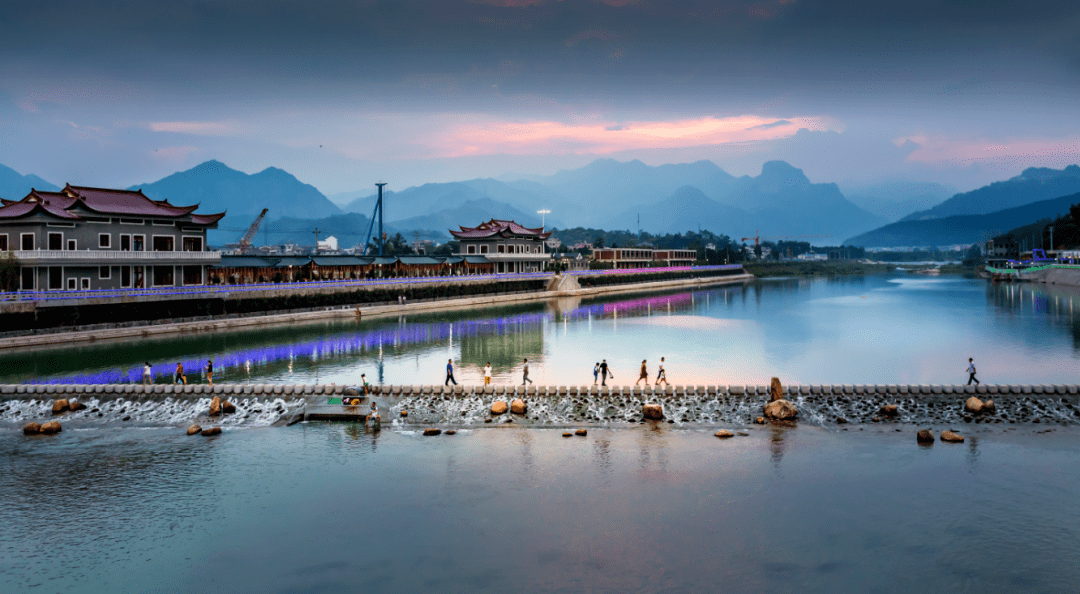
column 14, row 185
column 1033, row 185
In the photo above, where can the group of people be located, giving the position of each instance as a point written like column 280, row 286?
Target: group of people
column 487, row 373
column 178, row 376
column 601, row 373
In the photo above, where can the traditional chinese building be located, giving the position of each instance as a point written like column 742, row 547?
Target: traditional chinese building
column 638, row 257
column 93, row 238
column 510, row 246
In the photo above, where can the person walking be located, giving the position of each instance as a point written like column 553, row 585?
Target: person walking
column 605, row 371
column 525, row 373
column 146, row 374
column 210, row 371
column 644, row 374
column 971, row 372
column 661, row 375
column 487, row 374
column 364, row 384
column 180, row 378
column 595, row 373
column 450, row 373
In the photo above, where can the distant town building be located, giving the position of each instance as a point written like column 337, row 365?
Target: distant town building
column 553, row 244
column 83, row 238
column 570, row 261
column 812, row 257
column 510, row 246
column 637, row 257
column 329, row 244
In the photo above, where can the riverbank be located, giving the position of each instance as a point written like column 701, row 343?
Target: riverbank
column 361, row 312
column 827, row 268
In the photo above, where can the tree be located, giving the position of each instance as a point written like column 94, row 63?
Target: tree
column 9, row 271
column 598, row 242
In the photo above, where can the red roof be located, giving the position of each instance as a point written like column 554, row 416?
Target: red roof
column 102, row 201
column 500, row 228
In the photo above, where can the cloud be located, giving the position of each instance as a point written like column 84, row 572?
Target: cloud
column 197, row 128
column 770, row 125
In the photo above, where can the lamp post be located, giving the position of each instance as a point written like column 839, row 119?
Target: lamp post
column 543, row 224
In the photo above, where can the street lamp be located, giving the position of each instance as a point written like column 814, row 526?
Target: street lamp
column 543, row 223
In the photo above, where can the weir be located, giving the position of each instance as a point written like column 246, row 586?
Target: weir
column 269, row 404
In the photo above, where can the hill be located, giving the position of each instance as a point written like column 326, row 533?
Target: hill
column 470, row 214
column 686, row 209
column 14, row 185
column 1033, row 185
column 894, row 199
column 962, row 229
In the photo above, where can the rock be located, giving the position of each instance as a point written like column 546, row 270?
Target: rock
column 518, row 407
column 127, row 418
column 192, row 430
column 51, row 427
column 228, row 407
column 352, row 392
column 59, row 405
column 653, row 412
column 760, row 420
column 925, row 436
column 565, row 433
column 215, row 406
column 841, row 421
column 75, row 405
column 724, row 434
column 432, row 431
column 31, row 428
column 974, row 405
column 776, row 391
column 487, row 420
column 211, row 431
column 581, row 432
column 889, row 410
column 498, row 407
column 989, row 406
column 781, row 410
column 950, row 436
column 451, row 432
column 404, row 413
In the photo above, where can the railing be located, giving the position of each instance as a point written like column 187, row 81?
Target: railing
column 531, row 257
column 111, row 255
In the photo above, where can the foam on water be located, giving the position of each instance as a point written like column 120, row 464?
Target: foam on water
column 166, row 411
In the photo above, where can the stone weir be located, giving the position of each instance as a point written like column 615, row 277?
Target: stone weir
column 268, row 404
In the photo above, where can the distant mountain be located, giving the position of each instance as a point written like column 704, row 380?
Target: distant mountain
column 15, row 186
column 1032, row 185
column 894, row 199
column 470, row 214
column 216, row 187
column 686, row 209
column 343, row 198
column 962, row 229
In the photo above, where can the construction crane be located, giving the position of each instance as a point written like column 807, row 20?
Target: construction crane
column 379, row 211
column 245, row 242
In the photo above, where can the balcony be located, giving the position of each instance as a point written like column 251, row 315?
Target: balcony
column 98, row 257
column 533, row 257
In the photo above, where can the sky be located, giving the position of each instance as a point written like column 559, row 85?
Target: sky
column 346, row 93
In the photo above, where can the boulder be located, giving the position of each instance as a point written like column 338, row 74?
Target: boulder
column 404, row 413
column 989, row 406
column 215, row 406
column 950, row 436
column 760, row 420
column 654, row 412
column 518, row 407
column 841, row 421
column 724, row 434
column 973, row 405
column 31, row 428
column 211, row 431
column 925, row 436
column 51, row 427
column 781, row 410
column 192, row 430
column 352, row 392
column 432, row 431
column 75, row 405
column 776, row 391
column 889, row 410
column 498, row 407
column 228, row 407
column 565, row 434
column 451, row 432
column 59, row 405
column 581, row 432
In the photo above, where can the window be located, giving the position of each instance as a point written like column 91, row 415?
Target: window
column 162, row 223
column 193, row 275
column 483, row 249
column 163, row 243
column 71, row 284
column 72, row 245
column 472, row 248
column 139, row 280
column 3, row 242
column 193, row 244
column 125, row 243
column 104, row 240
column 104, row 273
column 502, row 248
column 138, row 243
column 84, row 283
column 56, row 241
column 28, row 279
column 163, row 276
column 27, row 240
column 131, row 221
column 125, row 276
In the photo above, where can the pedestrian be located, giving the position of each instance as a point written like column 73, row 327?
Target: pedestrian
column 450, row 373
column 210, row 371
column 605, row 372
column 180, row 379
column 661, row 375
column 364, row 383
column 146, row 374
column 595, row 373
column 971, row 372
column 373, row 417
column 525, row 373
column 644, row 374
column 487, row 374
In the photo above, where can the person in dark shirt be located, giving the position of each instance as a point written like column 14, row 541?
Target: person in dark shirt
column 210, row 371
column 604, row 373
column 450, row 373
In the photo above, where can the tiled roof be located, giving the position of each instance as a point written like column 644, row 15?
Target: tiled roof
column 497, row 227
column 23, row 209
column 103, row 201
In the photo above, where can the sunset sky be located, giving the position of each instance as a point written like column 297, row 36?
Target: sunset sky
column 343, row 94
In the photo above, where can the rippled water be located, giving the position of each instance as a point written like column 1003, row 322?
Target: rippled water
column 331, row 508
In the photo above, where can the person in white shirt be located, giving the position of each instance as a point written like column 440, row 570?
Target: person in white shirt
column 146, row 374
column 487, row 374
column 971, row 372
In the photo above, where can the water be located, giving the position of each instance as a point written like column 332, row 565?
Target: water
column 872, row 330
column 326, row 508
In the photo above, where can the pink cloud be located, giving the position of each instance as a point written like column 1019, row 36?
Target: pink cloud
column 1022, row 152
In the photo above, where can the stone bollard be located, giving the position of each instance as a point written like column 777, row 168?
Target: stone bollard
column 776, row 391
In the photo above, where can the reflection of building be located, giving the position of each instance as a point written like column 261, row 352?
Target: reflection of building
column 638, row 257
column 510, row 246
column 505, row 346
column 93, row 238
column 241, row 270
